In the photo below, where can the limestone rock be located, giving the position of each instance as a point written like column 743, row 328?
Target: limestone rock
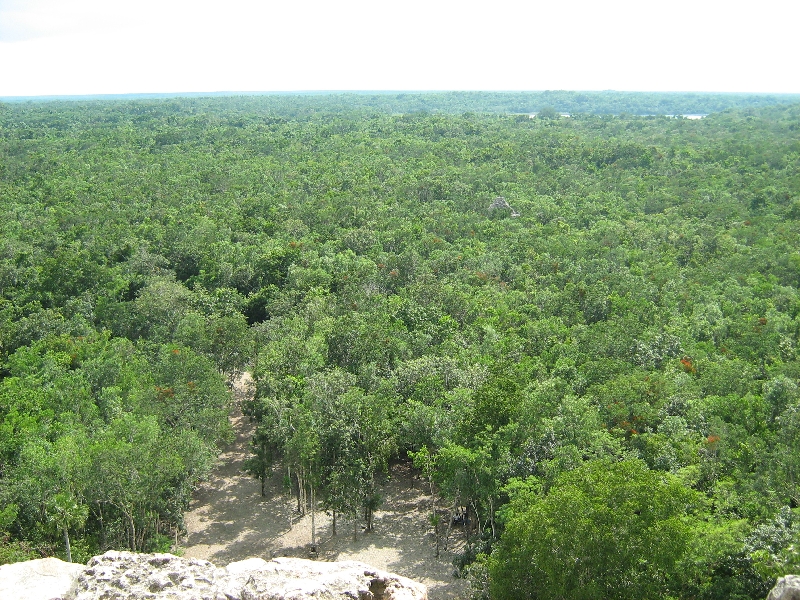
column 130, row 576
column 297, row 578
column 42, row 579
column 127, row 575
column 786, row 588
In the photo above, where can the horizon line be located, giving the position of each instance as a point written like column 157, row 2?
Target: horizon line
column 185, row 94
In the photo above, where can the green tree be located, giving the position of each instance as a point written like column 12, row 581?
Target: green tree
column 264, row 450
column 548, row 113
column 603, row 530
column 356, row 441
column 66, row 512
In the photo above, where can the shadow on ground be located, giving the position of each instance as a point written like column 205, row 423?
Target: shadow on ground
column 228, row 520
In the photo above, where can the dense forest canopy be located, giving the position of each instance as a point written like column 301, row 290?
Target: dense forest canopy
column 613, row 348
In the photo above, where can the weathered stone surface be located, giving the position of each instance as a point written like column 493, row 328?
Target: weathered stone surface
column 42, row 579
column 786, row 588
column 130, row 576
column 297, row 579
column 127, row 575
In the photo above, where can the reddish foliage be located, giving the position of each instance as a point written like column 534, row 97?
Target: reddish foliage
column 164, row 393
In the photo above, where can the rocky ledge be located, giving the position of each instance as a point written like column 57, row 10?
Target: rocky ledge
column 787, row 588
column 130, row 576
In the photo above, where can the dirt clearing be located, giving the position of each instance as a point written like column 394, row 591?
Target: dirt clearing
column 228, row 520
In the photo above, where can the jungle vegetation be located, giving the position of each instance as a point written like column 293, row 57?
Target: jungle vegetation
column 599, row 373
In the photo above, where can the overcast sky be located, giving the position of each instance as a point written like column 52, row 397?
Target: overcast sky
column 123, row 46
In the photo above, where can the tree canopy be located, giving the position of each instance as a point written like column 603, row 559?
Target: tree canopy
column 618, row 334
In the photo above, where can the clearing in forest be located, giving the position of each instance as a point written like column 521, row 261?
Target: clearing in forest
column 228, row 520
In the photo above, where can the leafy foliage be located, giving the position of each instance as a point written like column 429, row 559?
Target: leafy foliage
column 603, row 530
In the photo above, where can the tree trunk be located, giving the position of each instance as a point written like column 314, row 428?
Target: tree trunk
column 132, row 532
column 434, row 516
column 436, row 532
column 66, row 543
column 299, row 493
column 333, row 528
column 103, row 535
column 491, row 518
column 355, row 527
column 449, row 526
column 474, row 521
column 289, row 476
column 313, row 521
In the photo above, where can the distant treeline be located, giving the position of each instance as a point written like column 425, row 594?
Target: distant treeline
column 310, row 103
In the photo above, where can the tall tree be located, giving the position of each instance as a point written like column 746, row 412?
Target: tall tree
column 604, row 530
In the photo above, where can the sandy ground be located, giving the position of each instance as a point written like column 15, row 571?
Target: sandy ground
column 228, row 520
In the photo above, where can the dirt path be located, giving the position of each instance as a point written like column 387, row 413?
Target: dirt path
column 228, row 520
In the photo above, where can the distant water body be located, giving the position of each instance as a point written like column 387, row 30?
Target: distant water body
column 693, row 117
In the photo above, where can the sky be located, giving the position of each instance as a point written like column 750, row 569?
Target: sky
column 73, row 47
